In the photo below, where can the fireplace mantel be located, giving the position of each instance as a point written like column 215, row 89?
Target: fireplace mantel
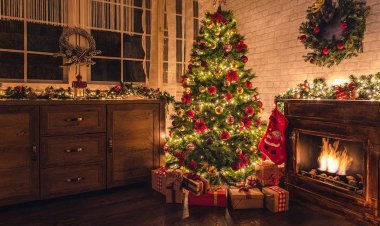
column 356, row 121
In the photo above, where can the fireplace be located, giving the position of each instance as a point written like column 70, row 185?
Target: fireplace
column 333, row 155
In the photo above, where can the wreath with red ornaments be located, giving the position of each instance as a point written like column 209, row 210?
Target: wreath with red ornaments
column 334, row 32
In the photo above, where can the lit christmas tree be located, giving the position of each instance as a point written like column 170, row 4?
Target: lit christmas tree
column 217, row 127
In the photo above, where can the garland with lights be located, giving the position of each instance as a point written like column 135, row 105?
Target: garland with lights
column 217, row 127
column 348, row 18
column 365, row 87
column 121, row 91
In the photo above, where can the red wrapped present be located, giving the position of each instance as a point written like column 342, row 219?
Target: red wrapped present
column 195, row 183
column 159, row 180
column 173, row 189
column 276, row 199
column 213, row 197
column 246, row 197
column 267, row 173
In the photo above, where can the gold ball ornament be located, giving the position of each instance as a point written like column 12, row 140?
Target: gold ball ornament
column 234, row 65
column 260, row 110
column 230, row 119
column 202, row 89
column 297, row 96
column 182, row 128
column 227, row 83
column 253, row 149
column 213, row 46
column 241, row 124
column 198, row 108
column 187, row 90
column 240, row 90
column 180, row 112
column 217, row 32
column 219, row 110
column 209, row 24
column 239, row 151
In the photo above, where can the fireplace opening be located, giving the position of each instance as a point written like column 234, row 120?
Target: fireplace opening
column 334, row 162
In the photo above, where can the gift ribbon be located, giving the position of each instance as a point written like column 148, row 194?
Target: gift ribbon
column 160, row 173
column 281, row 197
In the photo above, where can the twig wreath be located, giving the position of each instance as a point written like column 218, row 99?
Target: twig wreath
column 334, row 31
column 76, row 54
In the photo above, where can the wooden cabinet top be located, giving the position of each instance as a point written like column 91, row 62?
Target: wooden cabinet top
column 5, row 102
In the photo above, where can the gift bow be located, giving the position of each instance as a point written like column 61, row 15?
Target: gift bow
column 160, row 171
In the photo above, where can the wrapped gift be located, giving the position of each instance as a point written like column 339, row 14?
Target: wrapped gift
column 213, row 197
column 159, row 180
column 246, row 197
column 195, row 184
column 173, row 189
column 267, row 173
column 276, row 199
column 281, row 175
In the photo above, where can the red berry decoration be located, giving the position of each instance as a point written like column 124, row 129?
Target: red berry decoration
column 228, row 96
column 225, row 135
column 325, row 51
column 344, row 26
column 186, row 98
column 244, row 59
column 317, row 29
column 248, row 85
column 232, row 76
column 190, row 113
column 212, row 90
column 302, row 38
column 340, row 46
column 200, row 125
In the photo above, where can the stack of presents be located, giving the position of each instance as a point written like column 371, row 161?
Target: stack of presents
column 259, row 191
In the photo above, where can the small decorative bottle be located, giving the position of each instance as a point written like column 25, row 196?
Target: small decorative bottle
column 79, row 88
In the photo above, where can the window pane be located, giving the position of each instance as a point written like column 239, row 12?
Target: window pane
column 11, row 34
column 133, row 47
column 178, row 7
column 45, row 67
column 108, row 42
column 106, row 70
column 179, row 50
column 166, row 49
column 148, row 22
column 43, row 38
column 138, row 3
column 165, row 75
column 138, row 26
column 179, row 26
column 179, row 72
column 195, row 9
column 134, row 71
column 148, row 47
column 11, row 65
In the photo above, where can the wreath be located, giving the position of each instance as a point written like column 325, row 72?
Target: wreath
column 334, row 32
column 76, row 54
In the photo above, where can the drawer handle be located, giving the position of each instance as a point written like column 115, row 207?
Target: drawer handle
column 79, row 119
column 74, row 150
column 75, row 180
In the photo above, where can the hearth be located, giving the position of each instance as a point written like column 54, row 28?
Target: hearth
column 333, row 155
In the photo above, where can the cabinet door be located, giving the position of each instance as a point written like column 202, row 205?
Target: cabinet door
column 133, row 142
column 19, row 154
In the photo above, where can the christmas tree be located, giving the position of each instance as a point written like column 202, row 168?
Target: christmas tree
column 217, row 127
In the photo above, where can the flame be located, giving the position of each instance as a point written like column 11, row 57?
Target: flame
column 332, row 160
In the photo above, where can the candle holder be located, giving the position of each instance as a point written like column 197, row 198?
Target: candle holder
column 79, row 88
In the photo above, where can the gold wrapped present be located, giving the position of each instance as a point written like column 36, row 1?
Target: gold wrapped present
column 159, row 180
column 195, row 184
column 246, row 198
column 276, row 199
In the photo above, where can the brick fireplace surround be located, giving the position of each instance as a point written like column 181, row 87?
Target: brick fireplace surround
column 356, row 121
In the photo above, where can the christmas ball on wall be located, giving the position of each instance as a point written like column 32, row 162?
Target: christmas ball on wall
column 202, row 89
column 218, row 110
column 190, row 147
column 240, row 90
column 230, row 119
column 228, row 47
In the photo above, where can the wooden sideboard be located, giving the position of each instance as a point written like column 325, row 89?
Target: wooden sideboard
column 61, row 147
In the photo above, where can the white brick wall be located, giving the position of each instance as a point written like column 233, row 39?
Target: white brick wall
column 275, row 55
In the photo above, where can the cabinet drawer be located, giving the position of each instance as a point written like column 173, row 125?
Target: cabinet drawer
column 58, row 151
column 72, row 180
column 72, row 119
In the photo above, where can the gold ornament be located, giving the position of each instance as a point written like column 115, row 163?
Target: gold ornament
column 180, row 112
column 218, row 110
column 209, row 25
column 213, row 46
column 253, row 149
column 239, row 151
column 240, row 90
column 187, row 90
column 234, row 65
column 202, row 89
column 199, row 108
column 212, row 170
column 297, row 96
column 182, row 128
column 260, row 110
column 227, row 83
column 217, row 32
column 241, row 124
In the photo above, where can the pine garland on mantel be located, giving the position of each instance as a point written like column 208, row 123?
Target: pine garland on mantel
column 121, row 91
column 365, row 87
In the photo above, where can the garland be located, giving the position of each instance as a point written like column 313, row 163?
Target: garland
column 365, row 87
column 121, row 91
column 77, row 55
column 348, row 23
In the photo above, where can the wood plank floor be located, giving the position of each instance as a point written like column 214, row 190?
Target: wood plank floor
column 139, row 205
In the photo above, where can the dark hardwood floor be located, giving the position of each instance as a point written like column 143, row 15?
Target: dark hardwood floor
column 139, row 205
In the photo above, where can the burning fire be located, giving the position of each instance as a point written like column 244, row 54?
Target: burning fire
column 332, row 160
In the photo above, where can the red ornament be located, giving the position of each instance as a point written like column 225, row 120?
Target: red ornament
column 212, row 90
column 244, row 59
column 190, row 66
column 302, row 38
column 257, row 122
column 225, row 55
column 190, row 113
column 183, row 80
column 249, row 111
column 200, row 126
column 241, row 46
column 117, row 88
column 235, row 166
column 204, row 64
column 217, row 17
column 343, row 95
column 186, row 98
column 344, row 26
column 228, row 96
column 225, row 135
column 248, row 85
column 193, row 165
column 232, row 76
column 190, row 147
column 317, row 29
column 325, row 51
column 247, row 123
column 340, row 46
